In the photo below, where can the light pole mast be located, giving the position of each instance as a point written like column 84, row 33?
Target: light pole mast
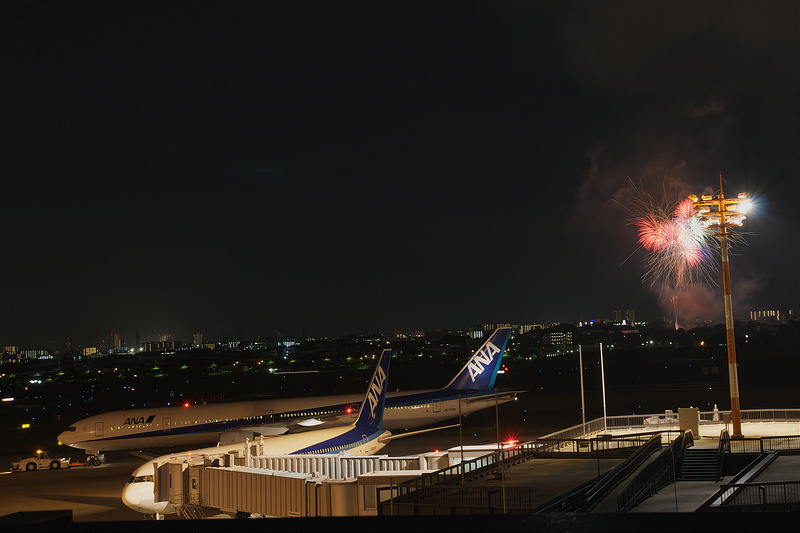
column 722, row 214
column 733, row 373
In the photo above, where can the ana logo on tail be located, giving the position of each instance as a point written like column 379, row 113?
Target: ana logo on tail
column 374, row 393
column 481, row 358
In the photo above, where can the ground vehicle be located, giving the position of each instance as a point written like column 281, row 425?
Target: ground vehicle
column 42, row 461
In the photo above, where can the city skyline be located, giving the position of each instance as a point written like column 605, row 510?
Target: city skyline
column 333, row 167
column 106, row 343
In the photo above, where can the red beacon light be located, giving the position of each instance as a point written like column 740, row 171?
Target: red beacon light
column 186, row 405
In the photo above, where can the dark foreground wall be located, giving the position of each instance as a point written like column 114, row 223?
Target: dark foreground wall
column 577, row 523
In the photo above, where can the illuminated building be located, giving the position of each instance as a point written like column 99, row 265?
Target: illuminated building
column 775, row 316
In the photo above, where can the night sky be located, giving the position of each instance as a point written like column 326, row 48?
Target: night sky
column 254, row 168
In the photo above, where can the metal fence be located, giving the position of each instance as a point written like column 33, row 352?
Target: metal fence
column 579, row 431
column 761, row 496
column 765, row 444
column 668, row 419
column 655, row 475
column 587, row 496
column 770, row 415
column 435, row 493
column 480, row 466
column 621, row 472
column 626, row 444
column 460, row 499
column 440, row 493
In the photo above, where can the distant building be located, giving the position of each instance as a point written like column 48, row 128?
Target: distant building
column 775, row 316
column 197, row 339
column 626, row 317
column 559, row 337
column 36, row 354
column 162, row 346
column 525, row 328
column 484, row 330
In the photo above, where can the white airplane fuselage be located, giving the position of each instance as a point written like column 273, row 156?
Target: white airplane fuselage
column 197, row 425
column 363, row 436
column 470, row 390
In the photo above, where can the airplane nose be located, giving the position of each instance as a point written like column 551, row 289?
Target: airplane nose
column 132, row 495
column 140, row 497
column 67, row 438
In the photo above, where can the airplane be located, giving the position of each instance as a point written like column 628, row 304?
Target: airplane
column 193, row 425
column 365, row 436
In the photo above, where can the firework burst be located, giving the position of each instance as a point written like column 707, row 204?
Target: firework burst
column 679, row 246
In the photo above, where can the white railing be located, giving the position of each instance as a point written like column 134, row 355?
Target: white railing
column 669, row 420
column 338, row 466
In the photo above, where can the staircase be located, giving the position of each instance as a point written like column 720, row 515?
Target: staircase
column 191, row 512
column 700, row 463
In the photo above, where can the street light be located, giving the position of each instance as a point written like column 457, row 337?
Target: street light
column 722, row 213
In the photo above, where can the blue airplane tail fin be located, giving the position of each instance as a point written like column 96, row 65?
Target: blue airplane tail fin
column 480, row 371
column 371, row 414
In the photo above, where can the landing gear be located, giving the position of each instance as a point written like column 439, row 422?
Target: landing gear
column 95, row 459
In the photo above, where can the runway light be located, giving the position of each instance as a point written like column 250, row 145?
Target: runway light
column 25, row 426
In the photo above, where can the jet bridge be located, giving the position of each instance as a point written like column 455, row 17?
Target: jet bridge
column 245, row 483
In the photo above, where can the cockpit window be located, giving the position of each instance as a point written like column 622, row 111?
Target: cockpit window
column 141, row 479
column 72, row 428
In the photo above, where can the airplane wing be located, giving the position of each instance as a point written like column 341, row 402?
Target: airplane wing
column 142, row 455
column 501, row 395
column 297, row 425
column 389, row 438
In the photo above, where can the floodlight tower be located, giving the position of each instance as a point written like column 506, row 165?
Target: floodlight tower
column 723, row 213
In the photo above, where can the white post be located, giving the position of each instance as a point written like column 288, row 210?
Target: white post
column 583, row 405
column 603, row 381
column 500, row 450
column 460, row 439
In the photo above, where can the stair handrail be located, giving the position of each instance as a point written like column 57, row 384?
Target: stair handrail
column 619, row 473
column 661, row 472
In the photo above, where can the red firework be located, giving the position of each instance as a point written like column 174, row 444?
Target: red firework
column 678, row 244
